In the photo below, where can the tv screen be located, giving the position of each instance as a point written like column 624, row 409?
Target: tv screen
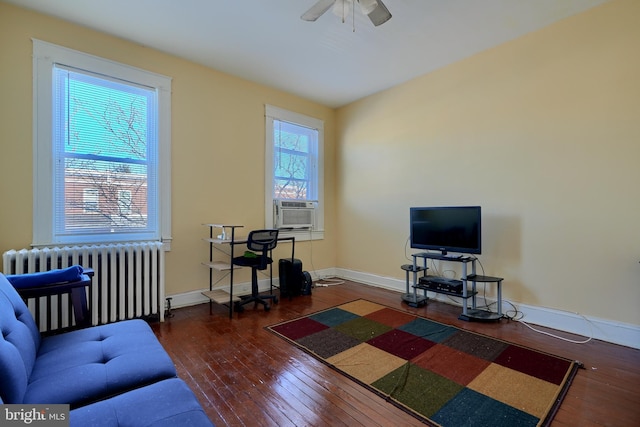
column 446, row 229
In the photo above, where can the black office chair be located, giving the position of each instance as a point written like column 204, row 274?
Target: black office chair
column 260, row 243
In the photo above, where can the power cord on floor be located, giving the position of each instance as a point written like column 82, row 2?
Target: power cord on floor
column 326, row 282
column 320, row 282
column 563, row 338
column 518, row 316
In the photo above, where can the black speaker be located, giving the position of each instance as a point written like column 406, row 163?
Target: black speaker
column 291, row 278
column 307, row 283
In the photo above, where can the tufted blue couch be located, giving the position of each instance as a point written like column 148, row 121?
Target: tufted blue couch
column 112, row 375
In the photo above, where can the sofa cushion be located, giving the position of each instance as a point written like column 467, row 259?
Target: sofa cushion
column 167, row 403
column 94, row 363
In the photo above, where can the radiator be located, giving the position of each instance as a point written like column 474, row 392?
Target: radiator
column 128, row 282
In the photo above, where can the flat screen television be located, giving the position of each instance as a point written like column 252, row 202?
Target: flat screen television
column 446, row 229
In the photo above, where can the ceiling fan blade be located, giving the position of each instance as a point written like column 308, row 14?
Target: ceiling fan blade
column 380, row 14
column 317, row 10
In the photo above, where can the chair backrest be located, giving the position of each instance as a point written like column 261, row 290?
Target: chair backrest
column 19, row 343
column 262, row 241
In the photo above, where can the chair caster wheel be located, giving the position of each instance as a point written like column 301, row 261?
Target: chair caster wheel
column 239, row 308
column 275, row 300
column 267, row 307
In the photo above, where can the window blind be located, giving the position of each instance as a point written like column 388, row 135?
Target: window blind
column 106, row 140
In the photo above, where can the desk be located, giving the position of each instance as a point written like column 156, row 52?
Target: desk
column 219, row 294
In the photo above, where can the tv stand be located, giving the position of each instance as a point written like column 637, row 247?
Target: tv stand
column 450, row 286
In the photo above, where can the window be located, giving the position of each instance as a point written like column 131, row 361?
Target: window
column 90, row 197
column 102, row 144
column 294, row 163
column 124, row 203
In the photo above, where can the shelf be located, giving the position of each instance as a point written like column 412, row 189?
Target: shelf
column 453, row 294
column 440, row 280
column 225, row 235
column 414, row 300
column 478, row 315
column 479, row 278
column 217, row 241
column 220, row 296
column 238, row 241
column 223, row 225
column 221, row 266
column 409, row 267
column 453, row 258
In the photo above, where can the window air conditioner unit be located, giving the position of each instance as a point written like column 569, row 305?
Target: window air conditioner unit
column 295, row 214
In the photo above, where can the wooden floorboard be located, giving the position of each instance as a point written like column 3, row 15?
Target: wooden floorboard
column 244, row 375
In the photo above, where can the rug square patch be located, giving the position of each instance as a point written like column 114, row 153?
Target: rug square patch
column 422, row 391
column 391, row 317
column 481, row 411
column 401, row 344
column 433, row 331
column 362, row 328
column 299, row 328
column 536, row 364
column 333, row 317
column 478, row 345
column 361, row 307
column 366, row 363
column 522, row 391
column 453, row 364
column 328, row 342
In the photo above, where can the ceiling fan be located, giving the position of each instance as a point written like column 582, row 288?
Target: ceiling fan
column 374, row 9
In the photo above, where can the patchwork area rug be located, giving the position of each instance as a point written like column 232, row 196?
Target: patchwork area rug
column 442, row 375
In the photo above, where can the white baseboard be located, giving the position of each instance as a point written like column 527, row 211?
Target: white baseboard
column 573, row 323
column 196, row 297
column 188, row 298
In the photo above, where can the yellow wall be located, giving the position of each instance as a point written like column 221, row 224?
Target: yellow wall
column 542, row 132
column 217, row 144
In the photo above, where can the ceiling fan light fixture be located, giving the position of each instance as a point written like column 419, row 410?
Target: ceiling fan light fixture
column 341, row 8
column 374, row 9
column 368, row 6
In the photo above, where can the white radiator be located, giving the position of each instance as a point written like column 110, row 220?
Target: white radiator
column 128, row 281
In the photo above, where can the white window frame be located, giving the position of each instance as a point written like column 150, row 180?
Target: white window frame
column 45, row 55
column 275, row 113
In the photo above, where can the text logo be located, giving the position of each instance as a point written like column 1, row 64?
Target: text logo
column 34, row 415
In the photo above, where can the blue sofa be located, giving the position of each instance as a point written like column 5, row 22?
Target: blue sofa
column 111, row 375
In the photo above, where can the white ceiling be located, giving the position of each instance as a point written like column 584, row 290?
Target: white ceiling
column 326, row 61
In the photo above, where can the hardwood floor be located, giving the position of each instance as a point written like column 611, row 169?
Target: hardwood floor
column 245, row 376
